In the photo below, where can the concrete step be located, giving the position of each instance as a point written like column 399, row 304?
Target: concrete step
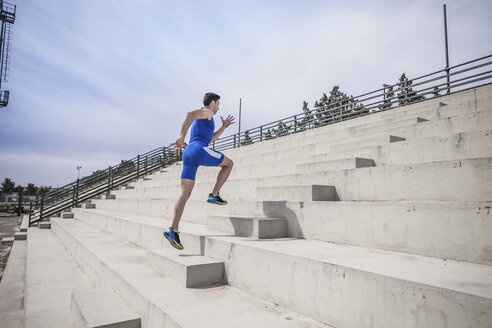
column 462, row 123
column 456, row 147
column 99, row 307
column 20, row 236
column 147, row 231
column 356, row 284
column 190, row 270
column 298, row 193
column 12, row 287
column 424, row 181
column 254, row 227
column 51, row 277
column 439, row 130
column 25, row 223
column 431, row 109
column 44, row 225
column 7, row 240
column 333, row 165
column 160, row 301
column 449, row 230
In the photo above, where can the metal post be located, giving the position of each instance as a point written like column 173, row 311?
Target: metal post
column 446, row 42
column 146, row 159
column 77, row 193
column 261, row 133
column 341, row 110
column 138, row 166
column 163, row 156
column 405, row 84
column 295, row 123
column 239, row 134
column 234, row 140
column 30, row 212
column 109, row 179
column 41, row 208
column 73, row 196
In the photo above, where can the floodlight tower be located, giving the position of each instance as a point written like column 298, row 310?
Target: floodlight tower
column 7, row 17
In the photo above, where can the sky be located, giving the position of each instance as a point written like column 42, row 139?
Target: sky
column 93, row 82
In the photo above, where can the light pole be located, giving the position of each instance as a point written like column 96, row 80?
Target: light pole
column 78, row 170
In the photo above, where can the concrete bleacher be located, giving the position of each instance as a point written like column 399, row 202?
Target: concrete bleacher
column 379, row 221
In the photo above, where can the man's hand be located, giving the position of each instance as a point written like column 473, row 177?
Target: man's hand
column 178, row 145
column 228, row 121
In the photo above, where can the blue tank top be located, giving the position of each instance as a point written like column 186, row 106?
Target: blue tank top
column 202, row 131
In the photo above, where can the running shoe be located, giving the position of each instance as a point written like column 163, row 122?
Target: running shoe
column 173, row 237
column 216, row 199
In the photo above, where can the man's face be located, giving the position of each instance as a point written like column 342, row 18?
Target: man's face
column 214, row 105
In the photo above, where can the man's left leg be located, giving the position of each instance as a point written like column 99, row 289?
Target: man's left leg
column 225, row 171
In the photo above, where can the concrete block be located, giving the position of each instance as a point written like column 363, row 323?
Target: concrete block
column 98, row 308
column 109, row 197
column 298, row 193
column 350, row 280
column 190, row 270
column 6, row 240
column 395, row 139
column 20, row 236
column 67, row 215
column 44, row 225
column 25, row 223
column 254, row 227
column 122, row 267
column 88, row 205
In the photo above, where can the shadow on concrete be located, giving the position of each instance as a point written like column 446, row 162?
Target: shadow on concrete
column 279, row 209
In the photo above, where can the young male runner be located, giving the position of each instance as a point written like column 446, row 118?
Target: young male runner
column 198, row 153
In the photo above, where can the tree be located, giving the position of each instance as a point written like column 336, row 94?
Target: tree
column 407, row 94
column 305, row 122
column 333, row 107
column 282, row 129
column 19, row 188
column 8, row 185
column 388, row 97
column 246, row 139
column 31, row 189
column 43, row 190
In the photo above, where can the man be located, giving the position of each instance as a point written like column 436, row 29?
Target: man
column 198, row 153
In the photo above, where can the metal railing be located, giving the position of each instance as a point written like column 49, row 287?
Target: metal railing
column 99, row 182
column 466, row 75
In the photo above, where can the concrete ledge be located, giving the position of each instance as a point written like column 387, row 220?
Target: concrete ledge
column 12, row 288
column 248, row 226
column 20, row 236
column 6, row 240
column 188, row 269
column 100, row 308
column 44, row 225
column 298, row 193
column 25, row 223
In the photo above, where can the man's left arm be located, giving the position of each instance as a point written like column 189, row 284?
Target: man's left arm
column 225, row 124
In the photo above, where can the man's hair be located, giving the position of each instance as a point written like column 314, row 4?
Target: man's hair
column 209, row 97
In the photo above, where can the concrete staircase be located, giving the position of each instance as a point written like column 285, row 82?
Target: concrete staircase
column 379, row 221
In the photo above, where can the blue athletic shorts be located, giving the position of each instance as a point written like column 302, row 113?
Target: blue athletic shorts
column 196, row 154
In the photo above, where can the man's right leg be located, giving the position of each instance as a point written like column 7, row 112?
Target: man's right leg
column 186, row 188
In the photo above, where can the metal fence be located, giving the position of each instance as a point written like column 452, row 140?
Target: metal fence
column 460, row 77
column 463, row 76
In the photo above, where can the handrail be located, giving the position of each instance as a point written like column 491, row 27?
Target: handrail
column 390, row 96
